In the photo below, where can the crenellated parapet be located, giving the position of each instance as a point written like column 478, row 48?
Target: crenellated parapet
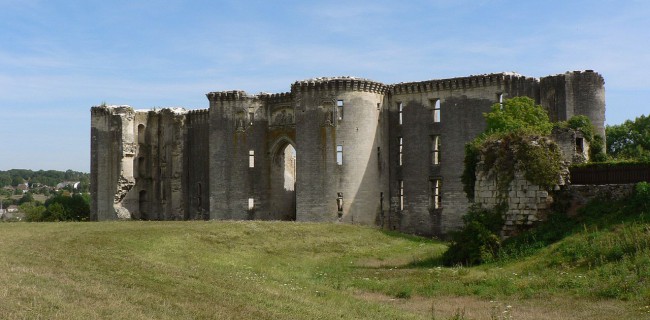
column 478, row 81
column 200, row 116
column 233, row 95
column 339, row 84
column 272, row 98
column 111, row 109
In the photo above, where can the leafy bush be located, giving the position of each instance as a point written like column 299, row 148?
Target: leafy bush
column 508, row 123
column 516, row 114
column 478, row 241
column 630, row 140
column 597, row 149
column 582, row 124
column 472, row 157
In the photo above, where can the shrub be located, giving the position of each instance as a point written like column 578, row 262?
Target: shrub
column 478, row 241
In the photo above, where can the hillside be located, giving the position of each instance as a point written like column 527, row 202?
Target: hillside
column 277, row 270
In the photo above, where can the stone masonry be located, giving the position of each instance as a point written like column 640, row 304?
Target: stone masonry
column 394, row 152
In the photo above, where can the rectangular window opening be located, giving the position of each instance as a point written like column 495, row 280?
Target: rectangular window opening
column 251, row 159
column 401, row 195
column 435, row 149
column 580, row 147
column 400, row 150
column 251, row 118
column 436, row 194
column 339, row 154
column 379, row 157
column 251, row 203
column 401, row 110
column 378, row 106
column 339, row 106
column 436, row 110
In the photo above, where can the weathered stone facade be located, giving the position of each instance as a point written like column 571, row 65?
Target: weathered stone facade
column 394, row 152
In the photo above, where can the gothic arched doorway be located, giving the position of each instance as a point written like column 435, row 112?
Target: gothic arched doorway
column 283, row 181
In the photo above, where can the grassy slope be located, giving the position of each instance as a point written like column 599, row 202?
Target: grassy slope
column 273, row 270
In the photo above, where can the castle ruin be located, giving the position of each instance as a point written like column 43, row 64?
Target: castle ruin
column 332, row 149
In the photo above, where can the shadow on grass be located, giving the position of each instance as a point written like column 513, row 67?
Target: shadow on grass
column 409, row 237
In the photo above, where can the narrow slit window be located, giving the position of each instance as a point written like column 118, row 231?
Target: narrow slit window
column 251, row 118
column 379, row 157
column 580, row 147
column 251, row 159
column 435, row 149
column 251, row 203
column 436, row 194
column 500, row 99
column 401, row 111
column 436, row 110
column 401, row 195
column 400, row 150
column 339, row 154
column 378, row 106
column 339, row 109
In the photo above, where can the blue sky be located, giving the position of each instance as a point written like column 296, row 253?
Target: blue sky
column 59, row 58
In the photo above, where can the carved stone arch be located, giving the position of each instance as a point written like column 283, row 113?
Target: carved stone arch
column 279, row 145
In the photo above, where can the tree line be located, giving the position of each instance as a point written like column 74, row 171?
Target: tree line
column 50, row 178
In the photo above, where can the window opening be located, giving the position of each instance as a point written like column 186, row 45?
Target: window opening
column 141, row 136
column 251, row 159
column 339, row 107
column 435, row 149
column 251, row 118
column 580, row 148
column 401, row 195
column 379, row 157
column 251, row 203
column 401, row 109
column 400, row 150
column 339, row 154
column 436, row 195
column 436, row 110
column 378, row 106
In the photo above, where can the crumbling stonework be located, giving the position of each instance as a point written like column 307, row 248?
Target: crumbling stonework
column 393, row 152
column 527, row 203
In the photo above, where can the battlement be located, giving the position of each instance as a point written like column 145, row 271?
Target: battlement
column 339, row 84
column 232, row 95
column 474, row 81
column 110, row 109
column 199, row 112
column 285, row 97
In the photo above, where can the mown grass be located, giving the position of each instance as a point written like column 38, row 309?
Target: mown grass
column 281, row 270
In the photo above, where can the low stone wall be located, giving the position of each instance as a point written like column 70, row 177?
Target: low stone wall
column 581, row 194
column 527, row 203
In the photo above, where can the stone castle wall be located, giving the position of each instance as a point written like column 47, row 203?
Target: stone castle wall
column 195, row 164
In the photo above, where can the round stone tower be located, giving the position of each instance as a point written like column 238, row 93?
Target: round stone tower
column 341, row 150
column 586, row 94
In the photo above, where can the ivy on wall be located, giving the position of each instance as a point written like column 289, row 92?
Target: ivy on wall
column 515, row 139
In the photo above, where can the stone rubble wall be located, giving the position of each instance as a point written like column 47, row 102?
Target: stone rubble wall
column 527, row 203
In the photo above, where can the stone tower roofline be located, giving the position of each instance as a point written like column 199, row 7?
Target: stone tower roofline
column 582, row 72
column 348, row 83
column 339, row 84
column 469, row 82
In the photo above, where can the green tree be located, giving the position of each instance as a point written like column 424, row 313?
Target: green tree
column 16, row 180
column 32, row 211
column 27, row 197
column 56, row 212
column 66, row 207
column 518, row 114
column 630, row 140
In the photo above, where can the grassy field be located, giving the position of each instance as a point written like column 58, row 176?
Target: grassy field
column 284, row 270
